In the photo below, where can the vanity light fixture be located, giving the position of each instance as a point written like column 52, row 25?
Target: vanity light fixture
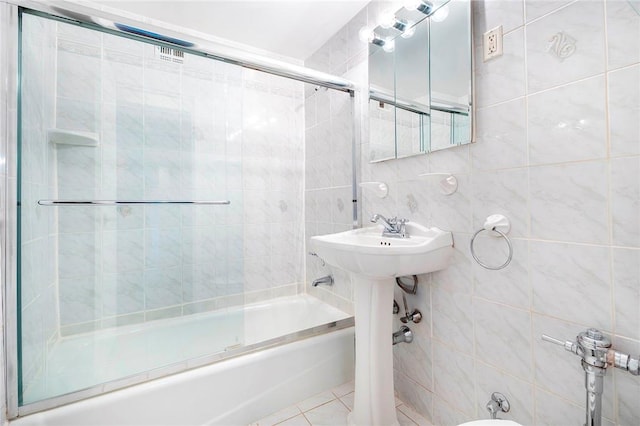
column 368, row 35
column 406, row 28
column 423, row 6
column 388, row 19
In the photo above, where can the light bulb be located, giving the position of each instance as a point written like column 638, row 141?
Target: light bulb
column 423, row 6
column 389, row 45
column 387, row 19
column 409, row 30
column 365, row 34
column 441, row 14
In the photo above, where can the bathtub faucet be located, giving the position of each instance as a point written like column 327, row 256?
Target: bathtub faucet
column 393, row 227
column 327, row 279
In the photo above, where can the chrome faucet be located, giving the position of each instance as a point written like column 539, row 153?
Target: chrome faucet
column 393, row 227
column 327, row 279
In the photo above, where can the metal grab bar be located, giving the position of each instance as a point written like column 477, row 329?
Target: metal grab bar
column 127, row 202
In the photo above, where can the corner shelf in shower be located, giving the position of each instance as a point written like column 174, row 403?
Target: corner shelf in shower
column 70, row 137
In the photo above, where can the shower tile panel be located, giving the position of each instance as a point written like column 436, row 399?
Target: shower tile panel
column 78, row 72
column 568, row 202
column 510, row 350
column 625, row 201
column 77, row 115
column 582, row 21
column 568, row 123
column 626, row 284
column 563, row 274
column 623, row 34
column 122, row 293
column 624, row 110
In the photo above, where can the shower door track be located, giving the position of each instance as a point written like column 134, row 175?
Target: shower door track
column 127, row 202
column 188, row 41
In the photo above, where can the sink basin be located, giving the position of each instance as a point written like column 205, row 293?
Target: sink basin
column 373, row 261
column 365, row 251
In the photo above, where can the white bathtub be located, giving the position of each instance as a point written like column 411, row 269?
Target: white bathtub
column 234, row 391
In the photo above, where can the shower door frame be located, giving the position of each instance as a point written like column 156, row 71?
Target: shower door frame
column 104, row 20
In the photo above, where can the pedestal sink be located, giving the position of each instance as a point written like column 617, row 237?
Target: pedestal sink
column 374, row 261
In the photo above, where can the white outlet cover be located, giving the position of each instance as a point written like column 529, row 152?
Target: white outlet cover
column 492, row 49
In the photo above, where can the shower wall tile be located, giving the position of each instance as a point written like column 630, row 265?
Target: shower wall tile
column 624, row 111
column 569, row 202
column 162, row 287
column 623, row 33
column 510, row 348
column 447, row 415
column 566, row 46
column 79, row 73
column 122, row 293
column 451, row 379
column 452, row 316
column 80, row 299
column 504, row 141
column 626, row 285
column 536, row 8
column 562, row 273
column 413, row 394
column 625, row 201
column 627, row 386
column 568, row 123
column 77, row 115
column 123, row 251
column 77, row 254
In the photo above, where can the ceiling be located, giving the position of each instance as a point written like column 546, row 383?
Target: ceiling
column 293, row 28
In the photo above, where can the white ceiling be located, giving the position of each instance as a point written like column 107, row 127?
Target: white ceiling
column 293, row 28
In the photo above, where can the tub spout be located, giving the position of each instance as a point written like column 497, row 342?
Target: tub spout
column 327, row 279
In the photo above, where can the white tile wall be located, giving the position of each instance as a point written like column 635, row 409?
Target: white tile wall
column 557, row 151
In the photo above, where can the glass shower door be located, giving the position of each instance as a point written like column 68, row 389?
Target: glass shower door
column 114, row 281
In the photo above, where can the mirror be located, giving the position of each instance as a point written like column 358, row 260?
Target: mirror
column 420, row 80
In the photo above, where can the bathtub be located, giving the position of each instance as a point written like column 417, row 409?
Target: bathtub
column 294, row 357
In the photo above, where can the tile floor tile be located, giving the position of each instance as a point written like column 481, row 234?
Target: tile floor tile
column 331, row 408
column 316, row 400
column 333, row 413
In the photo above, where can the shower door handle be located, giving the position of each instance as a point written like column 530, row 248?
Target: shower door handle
column 128, row 202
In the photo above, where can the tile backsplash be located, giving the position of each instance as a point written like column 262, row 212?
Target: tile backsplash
column 558, row 152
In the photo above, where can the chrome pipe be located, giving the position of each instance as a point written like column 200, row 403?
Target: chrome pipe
column 594, row 384
column 127, row 202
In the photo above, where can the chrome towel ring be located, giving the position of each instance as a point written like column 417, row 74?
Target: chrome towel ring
column 496, row 223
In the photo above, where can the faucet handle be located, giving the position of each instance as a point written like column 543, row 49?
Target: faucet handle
column 568, row 345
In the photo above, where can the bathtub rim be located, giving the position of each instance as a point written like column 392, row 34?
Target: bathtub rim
column 180, row 367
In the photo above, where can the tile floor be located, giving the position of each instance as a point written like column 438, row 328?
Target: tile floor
column 331, row 408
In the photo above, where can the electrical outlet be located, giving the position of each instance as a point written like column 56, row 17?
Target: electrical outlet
column 492, row 43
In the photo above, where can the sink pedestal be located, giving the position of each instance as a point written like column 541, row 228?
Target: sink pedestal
column 374, row 402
